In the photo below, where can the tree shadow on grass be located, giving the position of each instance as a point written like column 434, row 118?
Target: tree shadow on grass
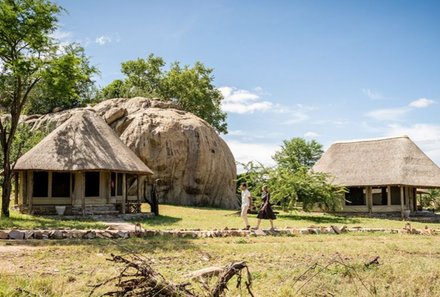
column 320, row 219
column 121, row 246
column 159, row 220
column 45, row 222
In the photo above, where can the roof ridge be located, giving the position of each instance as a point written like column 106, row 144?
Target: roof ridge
column 372, row 139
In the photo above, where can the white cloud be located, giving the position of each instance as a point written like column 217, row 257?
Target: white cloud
column 243, row 101
column 246, row 152
column 311, row 134
column 236, row 133
column 61, row 35
column 372, row 94
column 297, row 117
column 102, row 40
column 297, row 114
column 388, row 114
column 421, row 103
column 396, row 114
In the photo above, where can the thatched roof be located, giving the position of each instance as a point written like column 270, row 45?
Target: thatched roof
column 84, row 142
column 380, row 162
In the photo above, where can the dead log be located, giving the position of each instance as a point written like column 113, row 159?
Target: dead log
column 138, row 278
column 230, row 272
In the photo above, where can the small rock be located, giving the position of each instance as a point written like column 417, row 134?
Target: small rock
column 3, row 235
column 57, row 234
column 89, row 235
column 38, row 235
column 28, row 234
column 122, row 234
column 15, row 234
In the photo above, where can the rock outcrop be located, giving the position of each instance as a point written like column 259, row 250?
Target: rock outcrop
column 192, row 164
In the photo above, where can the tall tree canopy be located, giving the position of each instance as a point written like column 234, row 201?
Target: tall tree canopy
column 292, row 181
column 297, row 152
column 65, row 83
column 26, row 49
column 191, row 88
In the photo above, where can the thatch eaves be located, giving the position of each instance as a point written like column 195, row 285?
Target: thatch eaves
column 83, row 143
column 380, row 162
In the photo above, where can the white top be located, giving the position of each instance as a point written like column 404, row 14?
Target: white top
column 245, row 197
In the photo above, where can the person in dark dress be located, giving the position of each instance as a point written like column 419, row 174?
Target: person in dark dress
column 265, row 212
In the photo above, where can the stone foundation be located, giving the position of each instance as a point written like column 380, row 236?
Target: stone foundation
column 195, row 233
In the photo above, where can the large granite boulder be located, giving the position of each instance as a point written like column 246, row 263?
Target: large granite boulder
column 191, row 162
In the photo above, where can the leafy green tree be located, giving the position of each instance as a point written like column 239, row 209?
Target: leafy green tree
column 116, row 89
column 25, row 51
column 255, row 175
column 190, row 87
column 65, row 83
column 431, row 199
column 297, row 153
column 291, row 180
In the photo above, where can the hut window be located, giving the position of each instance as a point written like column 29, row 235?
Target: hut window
column 355, row 196
column 92, row 184
column 113, row 184
column 41, row 181
column 119, row 184
column 60, row 184
column 116, row 184
column 395, row 196
column 380, row 196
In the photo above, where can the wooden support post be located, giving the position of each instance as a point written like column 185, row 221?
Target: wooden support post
column 109, row 187
column 83, row 175
column 388, row 195
column 124, row 191
column 138, row 182
column 16, row 189
column 369, row 196
column 30, row 188
column 401, row 201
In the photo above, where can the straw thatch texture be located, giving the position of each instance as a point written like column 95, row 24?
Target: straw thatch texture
column 84, row 142
column 390, row 161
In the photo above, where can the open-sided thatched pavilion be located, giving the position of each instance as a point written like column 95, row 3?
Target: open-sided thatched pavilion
column 84, row 166
column 381, row 175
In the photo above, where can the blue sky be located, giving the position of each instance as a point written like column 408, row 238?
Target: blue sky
column 327, row 70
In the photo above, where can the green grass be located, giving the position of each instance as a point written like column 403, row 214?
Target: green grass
column 181, row 217
column 408, row 264
column 24, row 221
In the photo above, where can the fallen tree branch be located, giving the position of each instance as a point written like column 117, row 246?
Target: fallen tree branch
column 138, row 278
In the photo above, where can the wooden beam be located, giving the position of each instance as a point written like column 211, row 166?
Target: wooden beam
column 83, row 175
column 139, row 191
column 401, row 201
column 124, row 191
column 370, row 199
column 30, row 189
column 388, row 195
column 17, row 189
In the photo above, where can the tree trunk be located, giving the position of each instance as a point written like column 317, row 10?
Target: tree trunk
column 6, row 186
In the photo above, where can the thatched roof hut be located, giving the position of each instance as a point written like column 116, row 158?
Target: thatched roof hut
column 84, row 142
column 380, row 165
column 387, row 161
column 84, row 166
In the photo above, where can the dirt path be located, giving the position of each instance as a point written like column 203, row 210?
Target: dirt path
column 117, row 224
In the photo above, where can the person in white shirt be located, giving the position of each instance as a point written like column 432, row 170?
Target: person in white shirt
column 245, row 204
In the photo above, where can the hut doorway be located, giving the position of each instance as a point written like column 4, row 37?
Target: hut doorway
column 92, row 184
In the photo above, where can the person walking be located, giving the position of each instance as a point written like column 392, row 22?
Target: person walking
column 265, row 212
column 245, row 204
